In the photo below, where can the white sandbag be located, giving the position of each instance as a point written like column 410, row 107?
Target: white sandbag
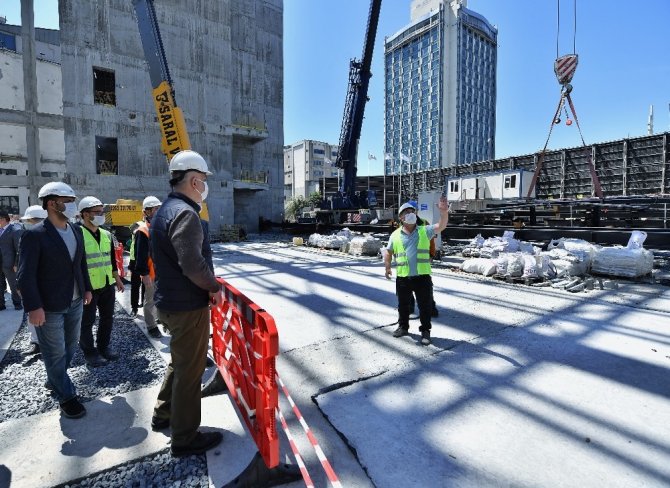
column 515, row 265
column 545, row 267
column 637, row 238
column 364, row 246
column 501, row 264
column 622, row 261
column 486, row 267
column 477, row 241
column 529, row 266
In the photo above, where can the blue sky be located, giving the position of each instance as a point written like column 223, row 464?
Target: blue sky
column 623, row 68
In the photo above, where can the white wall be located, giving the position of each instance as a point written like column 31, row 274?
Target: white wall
column 11, row 82
column 49, row 88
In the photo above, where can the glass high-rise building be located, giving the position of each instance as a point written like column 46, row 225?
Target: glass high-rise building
column 440, row 74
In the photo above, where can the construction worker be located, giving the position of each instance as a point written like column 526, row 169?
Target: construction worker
column 10, row 234
column 432, row 251
column 54, row 283
column 144, row 266
column 185, row 288
column 33, row 215
column 135, row 279
column 410, row 244
column 105, row 281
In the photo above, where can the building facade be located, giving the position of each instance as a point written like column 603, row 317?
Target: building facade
column 226, row 63
column 440, row 77
column 306, row 165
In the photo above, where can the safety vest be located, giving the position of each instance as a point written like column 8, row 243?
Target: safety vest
column 144, row 229
column 422, row 254
column 98, row 258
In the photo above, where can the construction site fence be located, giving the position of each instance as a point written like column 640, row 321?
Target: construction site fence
column 627, row 167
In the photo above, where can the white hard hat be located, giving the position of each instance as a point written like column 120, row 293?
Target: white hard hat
column 405, row 206
column 56, row 188
column 34, row 212
column 189, row 160
column 88, row 202
column 150, row 202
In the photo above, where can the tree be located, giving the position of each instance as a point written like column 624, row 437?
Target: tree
column 294, row 206
column 314, row 199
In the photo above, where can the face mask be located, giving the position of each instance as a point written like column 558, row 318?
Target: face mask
column 28, row 225
column 410, row 219
column 98, row 220
column 205, row 192
column 70, row 210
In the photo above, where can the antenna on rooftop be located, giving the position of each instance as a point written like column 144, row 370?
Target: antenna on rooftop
column 650, row 122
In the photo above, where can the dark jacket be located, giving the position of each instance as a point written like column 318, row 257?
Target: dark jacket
column 9, row 245
column 184, row 278
column 47, row 275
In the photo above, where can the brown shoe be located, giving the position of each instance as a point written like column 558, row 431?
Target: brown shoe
column 202, row 443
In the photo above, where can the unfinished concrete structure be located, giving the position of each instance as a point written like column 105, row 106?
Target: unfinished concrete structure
column 227, row 67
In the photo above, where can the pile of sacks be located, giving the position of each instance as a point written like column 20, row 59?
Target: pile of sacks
column 564, row 258
column 347, row 241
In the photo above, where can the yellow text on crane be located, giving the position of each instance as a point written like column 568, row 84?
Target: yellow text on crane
column 171, row 121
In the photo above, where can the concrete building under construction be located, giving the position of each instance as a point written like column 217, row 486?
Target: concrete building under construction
column 227, row 69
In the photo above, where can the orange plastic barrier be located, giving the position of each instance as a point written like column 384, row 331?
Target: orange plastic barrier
column 118, row 254
column 245, row 344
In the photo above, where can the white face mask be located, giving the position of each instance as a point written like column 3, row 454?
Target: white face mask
column 28, row 225
column 205, row 192
column 98, row 220
column 410, row 218
column 70, row 210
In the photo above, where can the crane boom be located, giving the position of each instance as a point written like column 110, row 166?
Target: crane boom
column 354, row 110
column 170, row 117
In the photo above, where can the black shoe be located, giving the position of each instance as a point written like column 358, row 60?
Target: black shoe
column 94, row 359
column 209, row 362
column 425, row 338
column 34, row 349
column 159, row 424
column 18, row 306
column 202, row 443
column 72, row 409
column 109, row 354
column 133, row 312
column 400, row 331
column 155, row 333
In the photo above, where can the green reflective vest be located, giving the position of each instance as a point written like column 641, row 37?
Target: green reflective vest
column 422, row 254
column 98, row 258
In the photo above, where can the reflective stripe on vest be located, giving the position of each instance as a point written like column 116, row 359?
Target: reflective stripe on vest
column 144, row 229
column 422, row 253
column 98, row 258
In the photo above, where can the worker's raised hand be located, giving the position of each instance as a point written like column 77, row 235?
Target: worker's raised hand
column 443, row 204
column 37, row 317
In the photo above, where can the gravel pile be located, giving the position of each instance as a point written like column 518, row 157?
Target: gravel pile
column 158, row 470
column 23, row 376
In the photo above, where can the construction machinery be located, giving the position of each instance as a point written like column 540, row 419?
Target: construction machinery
column 174, row 137
column 347, row 199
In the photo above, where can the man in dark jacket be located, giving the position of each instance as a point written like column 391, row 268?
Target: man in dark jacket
column 185, row 287
column 53, row 279
column 10, row 235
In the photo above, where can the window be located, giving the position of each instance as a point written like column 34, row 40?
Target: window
column 510, row 181
column 453, row 186
column 106, row 156
column 104, row 86
column 10, row 204
column 318, row 151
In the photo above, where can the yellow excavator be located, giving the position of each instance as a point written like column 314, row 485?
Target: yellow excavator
column 174, row 137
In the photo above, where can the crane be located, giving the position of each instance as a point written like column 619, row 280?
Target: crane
column 352, row 121
column 170, row 117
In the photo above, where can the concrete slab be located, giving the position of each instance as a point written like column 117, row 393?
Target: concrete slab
column 78, row 448
column 566, row 401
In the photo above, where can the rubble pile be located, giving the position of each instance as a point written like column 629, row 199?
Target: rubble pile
column 365, row 246
column 565, row 262
column 354, row 243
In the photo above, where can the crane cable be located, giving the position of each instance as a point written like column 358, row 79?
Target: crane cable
column 558, row 27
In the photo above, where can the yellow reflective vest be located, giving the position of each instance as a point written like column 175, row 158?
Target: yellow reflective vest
column 98, row 258
column 422, row 255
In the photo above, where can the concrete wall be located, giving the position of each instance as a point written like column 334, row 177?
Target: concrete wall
column 225, row 59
